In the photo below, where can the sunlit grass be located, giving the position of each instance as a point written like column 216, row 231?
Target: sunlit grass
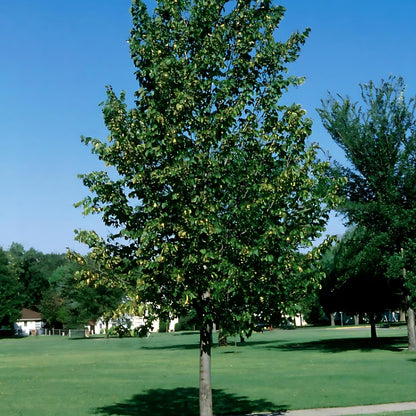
column 292, row 369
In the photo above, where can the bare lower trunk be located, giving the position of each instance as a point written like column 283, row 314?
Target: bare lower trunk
column 222, row 339
column 205, row 389
column 373, row 327
column 411, row 329
column 332, row 319
column 356, row 319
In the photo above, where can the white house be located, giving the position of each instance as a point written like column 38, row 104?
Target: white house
column 30, row 323
column 136, row 322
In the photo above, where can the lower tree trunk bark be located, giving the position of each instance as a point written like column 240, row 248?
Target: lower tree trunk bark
column 411, row 329
column 373, row 327
column 411, row 338
column 332, row 319
column 205, row 389
column 356, row 319
column 222, row 339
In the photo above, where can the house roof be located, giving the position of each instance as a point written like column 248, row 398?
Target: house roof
column 29, row 315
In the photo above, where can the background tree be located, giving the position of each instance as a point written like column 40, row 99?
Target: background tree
column 33, row 270
column 356, row 281
column 47, row 283
column 60, row 304
column 15, row 255
column 379, row 144
column 11, row 302
column 211, row 189
column 69, row 304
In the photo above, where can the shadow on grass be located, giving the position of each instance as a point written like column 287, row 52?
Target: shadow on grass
column 180, row 333
column 214, row 346
column 12, row 337
column 185, row 402
column 348, row 344
column 170, row 347
column 247, row 343
column 252, row 343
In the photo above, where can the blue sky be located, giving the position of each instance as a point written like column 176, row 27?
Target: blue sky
column 57, row 58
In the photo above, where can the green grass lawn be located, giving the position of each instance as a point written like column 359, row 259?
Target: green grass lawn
column 292, row 369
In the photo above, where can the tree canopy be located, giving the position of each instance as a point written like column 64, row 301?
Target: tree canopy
column 46, row 283
column 11, row 301
column 66, row 303
column 378, row 138
column 356, row 281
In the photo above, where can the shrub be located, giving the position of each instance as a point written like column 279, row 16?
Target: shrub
column 122, row 328
column 187, row 322
column 141, row 331
column 163, row 326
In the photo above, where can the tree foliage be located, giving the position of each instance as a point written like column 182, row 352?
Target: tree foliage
column 25, row 279
column 211, row 189
column 68, row 304
column 47, row 283
column 11, row 301
column 33, row 270
column 215, row 187
column 379, row 140
column 356, row 281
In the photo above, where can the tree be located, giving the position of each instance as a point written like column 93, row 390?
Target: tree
column 356, row 281
column 380, row 146
column 68, row 303
column 60, row 305
column 15, row 254
column 211, row 190
column 10, row 294
column 33, row 270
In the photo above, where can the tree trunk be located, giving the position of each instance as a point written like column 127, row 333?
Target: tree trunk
column 205, row 389
column 411, row 339
column 356, row 319
column 332, row 319
column 411, row 329
column 402, row 316
column 373, row 328
column 222, row 339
